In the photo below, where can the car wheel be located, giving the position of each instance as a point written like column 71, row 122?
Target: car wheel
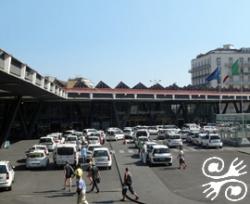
column 170, row 164
column 110, row 167
column 9, row 188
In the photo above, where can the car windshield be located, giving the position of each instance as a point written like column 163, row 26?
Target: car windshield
column 92, row 147
column 143, row 139
column 92, row 138
column 3, row 169
column 141, row 133
column 100, row 153
column 215, row 137
column 35, row 155
column 44, row 140
column 65, row 151
column 128, row 137
column 175, row 137
column 127, row 131
column 71, row 138
column 161, row 151
column 118, row 132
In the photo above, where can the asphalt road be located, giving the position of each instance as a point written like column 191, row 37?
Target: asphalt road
column 158, row 184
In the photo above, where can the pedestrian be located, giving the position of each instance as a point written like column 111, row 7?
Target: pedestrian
column 68, row 174
column 84, row 153
column 127, row 185
column 140, row 147
column 81, row 190
column 78, row 171
column 95, row 176
column 181, row 158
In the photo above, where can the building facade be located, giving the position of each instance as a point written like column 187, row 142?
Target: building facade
column 204, row 64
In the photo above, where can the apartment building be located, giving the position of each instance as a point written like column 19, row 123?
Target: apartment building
column 223, row 58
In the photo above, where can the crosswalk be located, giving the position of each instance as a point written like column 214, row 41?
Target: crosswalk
column 173, row 150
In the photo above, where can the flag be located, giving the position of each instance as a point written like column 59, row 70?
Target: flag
column 235, row 68
column 214, row 75
column 225, row 78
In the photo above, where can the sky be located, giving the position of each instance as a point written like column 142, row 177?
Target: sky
column 133, row 41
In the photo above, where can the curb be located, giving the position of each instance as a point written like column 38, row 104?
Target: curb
column 248, row 153
column 120, row 177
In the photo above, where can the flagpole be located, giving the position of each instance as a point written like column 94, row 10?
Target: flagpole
column 220, row 84
column 241, row 99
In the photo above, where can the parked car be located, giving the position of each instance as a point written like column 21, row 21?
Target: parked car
column 102, row 157
column 173, row 140
column 37, row 159
column 7, row 175
column 49, row 142
column 160, row 154
column 65, row 153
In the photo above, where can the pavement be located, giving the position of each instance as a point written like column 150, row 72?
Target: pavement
column 147, row 185
column 244, row 150
column 154, row 185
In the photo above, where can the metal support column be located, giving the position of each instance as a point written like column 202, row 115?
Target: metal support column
column 34, row 119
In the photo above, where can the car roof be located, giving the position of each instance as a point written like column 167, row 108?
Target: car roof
column 101, row 148
column 46, row 137
column 160, row 146
column 66, row 145
column 39, row 145
column 37, row 151
column 3, row 162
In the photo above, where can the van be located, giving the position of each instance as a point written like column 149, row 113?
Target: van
column 65, row 153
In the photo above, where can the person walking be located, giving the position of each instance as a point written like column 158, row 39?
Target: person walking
column 182, row 163
column 81, row 190
column 78, row 171
column 83, row 153
column 68, row 174
column 127, row 185
column 95, row 176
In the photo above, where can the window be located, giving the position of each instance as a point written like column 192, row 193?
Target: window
column 241, row 60
column 230, row 60
column 248, row 59
column 218, row 61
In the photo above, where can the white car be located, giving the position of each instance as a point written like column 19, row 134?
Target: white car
column 38, row 147
column 90, row 149
column 94, row 140
column 153, row 130
column 173, row 140
column 102, row 157
column 160, row 154
column 212, row 140
column 73, row 139
column 7, row 175
column 37, row 159
column 49, row 142
column 65, row 153
column 114, row 134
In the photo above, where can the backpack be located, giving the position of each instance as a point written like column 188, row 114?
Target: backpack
column 128, row 180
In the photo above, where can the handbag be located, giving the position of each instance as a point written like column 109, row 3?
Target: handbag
column 98, row 180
